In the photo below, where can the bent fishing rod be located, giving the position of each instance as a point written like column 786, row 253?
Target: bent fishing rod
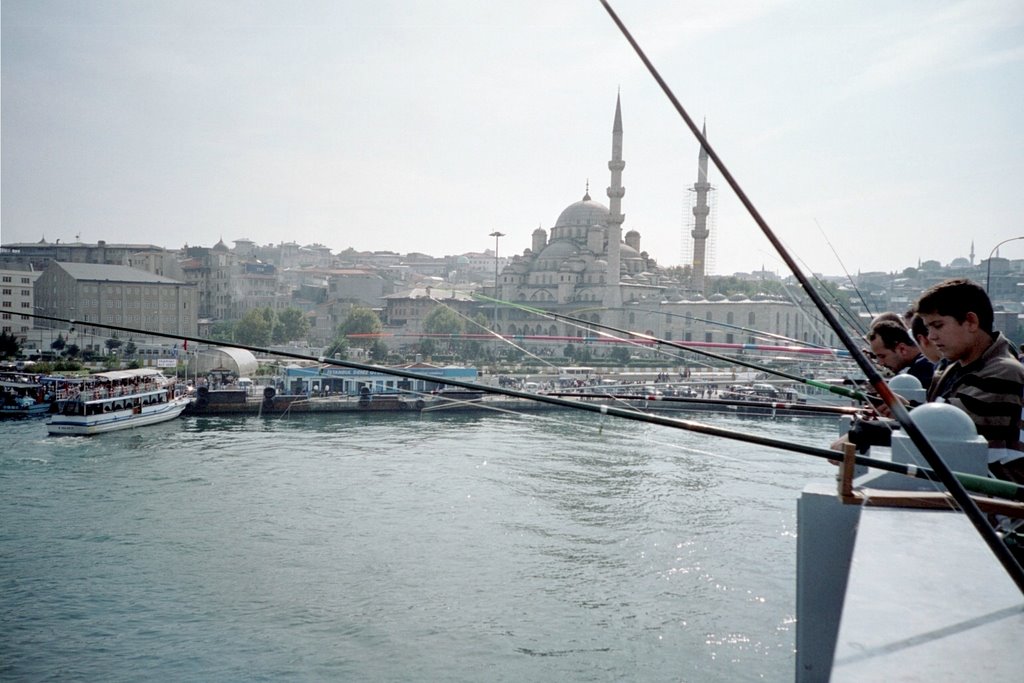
column 896, row 407
column 983, row 485
column 832, row 388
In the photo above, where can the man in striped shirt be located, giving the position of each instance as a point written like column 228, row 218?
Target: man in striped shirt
column 983, row 377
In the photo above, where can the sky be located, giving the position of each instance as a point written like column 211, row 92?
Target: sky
column 871, row 135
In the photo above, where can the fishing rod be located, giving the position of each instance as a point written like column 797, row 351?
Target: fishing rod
column 723, row 402
column 896, row 407
column 714, row 323
column 832, row 388
column 978, row 484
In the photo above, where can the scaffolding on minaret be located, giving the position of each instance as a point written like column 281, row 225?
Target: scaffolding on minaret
column 689, row 225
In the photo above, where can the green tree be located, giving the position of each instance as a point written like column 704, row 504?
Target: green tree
column 253, row 329
column 427, row 346
column 443, row 320
column 620, row 355
column 71, row 350
column 130, row 349
column 113, row 343
column 338, row 347
column 223, row 330
column 291, row 325
column 9, row 345
column 58, row 344
column 360, row 321
column 378, row 351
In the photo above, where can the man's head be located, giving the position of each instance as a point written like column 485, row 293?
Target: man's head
column 958, row 314
column 920, row 333
column 891, row 343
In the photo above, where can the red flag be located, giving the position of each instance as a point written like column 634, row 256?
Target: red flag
column 184, row 345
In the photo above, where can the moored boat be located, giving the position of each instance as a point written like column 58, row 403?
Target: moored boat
column 121, row 399
column 23, row 396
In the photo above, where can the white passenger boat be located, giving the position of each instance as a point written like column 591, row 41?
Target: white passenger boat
column 120, row 399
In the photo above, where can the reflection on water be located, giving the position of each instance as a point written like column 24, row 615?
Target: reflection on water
column 405, row 547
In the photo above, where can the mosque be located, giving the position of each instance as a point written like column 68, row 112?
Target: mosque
column 584, row 263
column 584, row 268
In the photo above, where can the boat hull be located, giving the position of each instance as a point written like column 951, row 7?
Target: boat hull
column 86, row 425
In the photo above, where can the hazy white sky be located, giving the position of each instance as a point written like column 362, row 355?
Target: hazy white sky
column 892, row 130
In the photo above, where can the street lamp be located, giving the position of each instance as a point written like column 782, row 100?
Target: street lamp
column 496, row 235
column 988, row 276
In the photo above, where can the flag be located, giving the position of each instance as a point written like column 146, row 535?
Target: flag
column 184, row 345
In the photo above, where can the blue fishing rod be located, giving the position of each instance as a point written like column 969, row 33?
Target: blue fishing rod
column 896, row 407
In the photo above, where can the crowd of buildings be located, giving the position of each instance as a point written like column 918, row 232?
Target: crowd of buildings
column 582, row 266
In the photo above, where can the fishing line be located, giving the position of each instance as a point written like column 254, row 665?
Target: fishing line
column 899, row 411
column 843, row 266
column 494, row 334
column 687, row 347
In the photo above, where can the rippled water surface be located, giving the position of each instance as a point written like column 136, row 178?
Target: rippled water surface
column 395, row 548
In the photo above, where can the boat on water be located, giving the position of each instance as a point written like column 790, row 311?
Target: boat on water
column 23, row 396
column 120, row 399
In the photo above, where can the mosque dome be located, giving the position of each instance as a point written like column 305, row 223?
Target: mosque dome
column 626, row 251
column 559, row 249
column 220, row 246
column 583, row 213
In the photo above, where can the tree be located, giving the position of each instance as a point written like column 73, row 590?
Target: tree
column 620, row 355
column 378, row 351
column 113, row 343
column 9, row 345
column 224, row 330
column 443, row 320
column 58, row 344
column 360, row 321
column 130, row 349
column 253, row 329
column 427, row 346
column 71, row 350
column 337, row 348
column 291, row 324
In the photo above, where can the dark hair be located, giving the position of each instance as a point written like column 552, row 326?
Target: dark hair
column 917, row 327
column 891, row 333
column 888, row 315
column 957, row 298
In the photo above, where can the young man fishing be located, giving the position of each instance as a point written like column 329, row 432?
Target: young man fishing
column 893, row 348
column 984, row 378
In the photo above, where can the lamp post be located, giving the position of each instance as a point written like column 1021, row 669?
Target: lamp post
column 496, row 235
column 988, row 276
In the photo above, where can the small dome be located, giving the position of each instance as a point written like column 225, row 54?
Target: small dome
column 559, row 249
column 717, row 296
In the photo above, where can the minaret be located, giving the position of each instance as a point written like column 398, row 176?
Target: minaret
column 700, row 215
column 613, row 293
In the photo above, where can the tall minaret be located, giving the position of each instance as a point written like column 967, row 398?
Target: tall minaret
column 613, row 293
column 700, row 215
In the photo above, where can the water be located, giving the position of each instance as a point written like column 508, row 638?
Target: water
column 398, row 548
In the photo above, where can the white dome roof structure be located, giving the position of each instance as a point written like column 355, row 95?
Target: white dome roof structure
column 583, row 213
